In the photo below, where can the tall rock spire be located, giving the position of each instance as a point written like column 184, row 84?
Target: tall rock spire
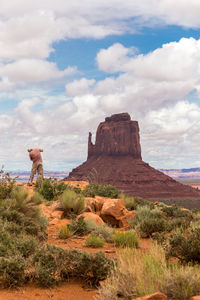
column 117, row 136
column 115, row 159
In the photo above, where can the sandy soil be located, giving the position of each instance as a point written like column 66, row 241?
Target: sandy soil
column 67, row 291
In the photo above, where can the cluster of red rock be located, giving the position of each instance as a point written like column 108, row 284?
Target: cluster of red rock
column 111, row 211
column 115, row 159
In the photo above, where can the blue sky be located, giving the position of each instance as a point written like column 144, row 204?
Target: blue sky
column 65, row 66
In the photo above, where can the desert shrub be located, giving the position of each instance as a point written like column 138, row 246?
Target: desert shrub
column 103, row 190
column 132, row 203
column 50, row 188
column 149, row 221
column 12, row 270
column 71, row 203
column 26, row 245
column 94, row 241
column 78, row 227
column 128, row 201
column 176, row 212
column 149, row 226
column 135, row 274
column 6, row 184
column 92, row 268
column 102, row 231
column 64, row 232
column 182, row 283
column 53, row 264
column 37, row 198
column 185, row 245
column 126, row 239
column 49, row 263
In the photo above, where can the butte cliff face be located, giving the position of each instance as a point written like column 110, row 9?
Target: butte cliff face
column 115, row 159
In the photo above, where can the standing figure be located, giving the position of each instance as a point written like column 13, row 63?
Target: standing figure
column 37, row 167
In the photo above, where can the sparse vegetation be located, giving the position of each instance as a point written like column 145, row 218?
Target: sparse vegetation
column 54, row 264
column 185, row 245
column 126, row 239
column 102, row 231
column 78, row 227
column 64, row 233
column 148, row 221
column 71, row 203
column 149, row 274
column 6, row 184
column 94, row 241
column 132, row 203
column 50, row 188
column 103, row 190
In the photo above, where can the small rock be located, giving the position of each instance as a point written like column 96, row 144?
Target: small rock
column 92, row 217
column 155, row 296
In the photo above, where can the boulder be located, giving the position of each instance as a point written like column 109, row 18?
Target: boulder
column 89, row 216
column 112, row 211
column 124, row 221
column 94, row 204
column 155, row 296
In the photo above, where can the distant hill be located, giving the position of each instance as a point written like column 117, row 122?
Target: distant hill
column 24, row 176
column 187, row 175
column 178, row 174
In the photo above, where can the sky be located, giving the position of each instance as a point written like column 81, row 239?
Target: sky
column 66, row 65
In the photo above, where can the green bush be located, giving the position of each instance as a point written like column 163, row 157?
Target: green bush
column 182, row 283
column 149, row 226
column 103, row 190
column 50, row 188
column 12, row 270
column 71, row 203
column 64, row 233
column 132, row 203
column 135, row 274
column 49, row 263
column 102, row 231
column 54, row 264
column 6, row 184
column 148, row 221
column 37, row 198
column 78, row 227
column 94, row 241
column 186, row 245
column 126, row 239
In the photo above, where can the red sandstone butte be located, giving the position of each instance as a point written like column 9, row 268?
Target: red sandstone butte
column 116, row 159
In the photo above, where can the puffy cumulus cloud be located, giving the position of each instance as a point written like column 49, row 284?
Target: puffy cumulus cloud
column 166, row 11
column 150, row 81
column 174, row 61
column 79, row 87
column 31, row 70
column 29, row 28
column 114, row 58
column 169, row 135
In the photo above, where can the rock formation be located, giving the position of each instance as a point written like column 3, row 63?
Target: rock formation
column 115, row 159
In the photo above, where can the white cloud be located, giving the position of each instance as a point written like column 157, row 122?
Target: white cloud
column 79, row 87
column 114, row 58
column 22, row 72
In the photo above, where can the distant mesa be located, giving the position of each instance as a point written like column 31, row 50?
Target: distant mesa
column 116, row 159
